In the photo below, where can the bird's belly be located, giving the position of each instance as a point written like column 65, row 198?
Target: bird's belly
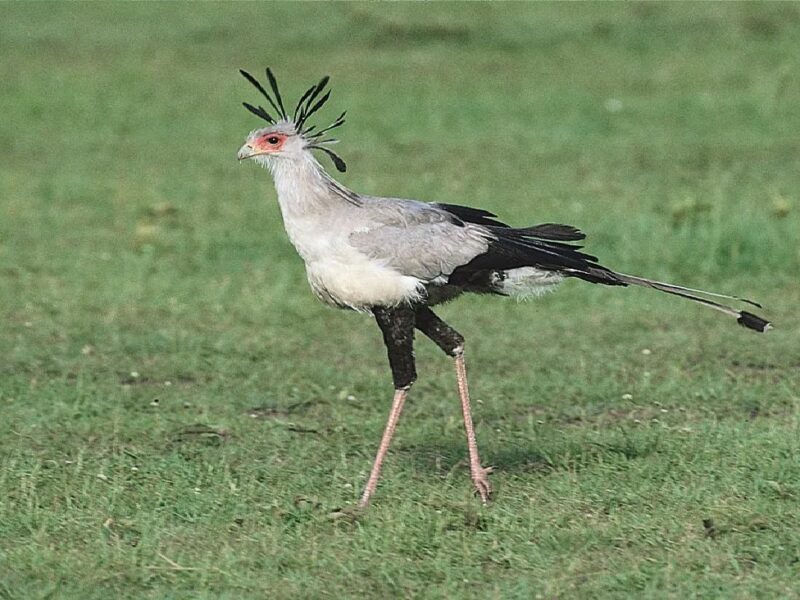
column 342, row 276
column 360, row 283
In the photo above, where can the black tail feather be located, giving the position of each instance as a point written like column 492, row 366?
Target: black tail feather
column 543, row 246
column 752, row 321
column 744, row 318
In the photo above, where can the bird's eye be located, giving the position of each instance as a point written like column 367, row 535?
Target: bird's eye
column 273, row 140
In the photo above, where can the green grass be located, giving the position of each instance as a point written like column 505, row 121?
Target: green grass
column 182, row 419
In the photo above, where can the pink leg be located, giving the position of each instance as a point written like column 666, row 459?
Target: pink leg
column 477, row 472
column 391, row 425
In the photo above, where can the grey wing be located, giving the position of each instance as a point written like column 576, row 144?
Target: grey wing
column 418, row 239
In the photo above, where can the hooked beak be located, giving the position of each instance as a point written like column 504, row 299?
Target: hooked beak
column 246, row 151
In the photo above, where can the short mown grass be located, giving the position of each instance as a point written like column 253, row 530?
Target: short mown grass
column 182, row 419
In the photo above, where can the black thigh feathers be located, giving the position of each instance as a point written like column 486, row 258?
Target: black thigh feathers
column 397, row 324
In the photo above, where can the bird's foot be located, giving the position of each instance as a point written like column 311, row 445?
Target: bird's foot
column 480, row 479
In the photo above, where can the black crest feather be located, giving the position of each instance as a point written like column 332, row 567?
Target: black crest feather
column 316, row 106
column 259, row 112
column 274, row 85
column 312, row 94
column 300, row 102
column 337, row 123
column 341, row 166
column 310, row 102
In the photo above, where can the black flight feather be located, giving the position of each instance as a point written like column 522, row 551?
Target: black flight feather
column 478, row 216
column 545, row 231
column 554, row 231
column 514, row 248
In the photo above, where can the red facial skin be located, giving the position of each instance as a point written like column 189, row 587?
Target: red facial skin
column 267, row 143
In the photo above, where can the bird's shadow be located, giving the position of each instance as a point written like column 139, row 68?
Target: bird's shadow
column 544, row 457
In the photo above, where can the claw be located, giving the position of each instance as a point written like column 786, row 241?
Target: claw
column 481, row 482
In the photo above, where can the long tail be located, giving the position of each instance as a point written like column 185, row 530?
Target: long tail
column 744, row 318
column 519, row 256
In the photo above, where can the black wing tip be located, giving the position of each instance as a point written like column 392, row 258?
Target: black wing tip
column 555, row 231
column 478, row 216
column 754, row 322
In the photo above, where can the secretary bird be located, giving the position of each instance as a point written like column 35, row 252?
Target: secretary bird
column 396, row 258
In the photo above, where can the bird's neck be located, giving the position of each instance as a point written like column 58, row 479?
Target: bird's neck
column 304, row 187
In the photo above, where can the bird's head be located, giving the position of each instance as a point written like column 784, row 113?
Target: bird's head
column 289, row 136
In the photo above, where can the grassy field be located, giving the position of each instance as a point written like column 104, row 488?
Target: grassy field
column 182, row 419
